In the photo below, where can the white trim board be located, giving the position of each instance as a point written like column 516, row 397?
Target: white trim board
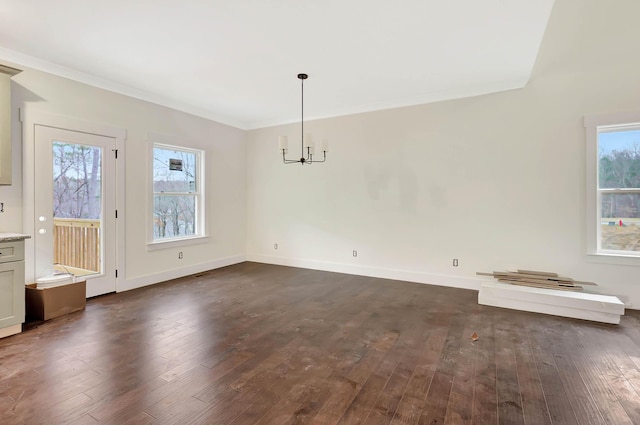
column 577, row 305
column 152, row 279
column 379, row 272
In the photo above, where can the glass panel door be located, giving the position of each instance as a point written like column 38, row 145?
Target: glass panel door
column 75, row 213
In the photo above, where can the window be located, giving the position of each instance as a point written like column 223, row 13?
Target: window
column 178, row 200
column 614, row 183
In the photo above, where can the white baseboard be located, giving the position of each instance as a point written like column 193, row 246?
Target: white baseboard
column 139, row 282
column 381, row 272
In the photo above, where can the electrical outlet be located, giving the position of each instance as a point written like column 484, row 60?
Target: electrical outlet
column 355, row 253
column 275, row 246
column 180, row 255
column 455, row 262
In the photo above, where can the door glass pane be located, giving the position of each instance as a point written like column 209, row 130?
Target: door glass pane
column 77, row 208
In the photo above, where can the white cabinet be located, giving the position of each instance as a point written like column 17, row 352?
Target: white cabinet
column 5, row 123
column 11, row 287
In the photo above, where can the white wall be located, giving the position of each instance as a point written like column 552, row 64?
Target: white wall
column 497, row 181
column 225, row 155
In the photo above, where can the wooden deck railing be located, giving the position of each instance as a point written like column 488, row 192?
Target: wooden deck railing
column 77, row 243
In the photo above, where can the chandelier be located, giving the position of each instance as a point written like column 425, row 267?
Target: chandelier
column 305, row 143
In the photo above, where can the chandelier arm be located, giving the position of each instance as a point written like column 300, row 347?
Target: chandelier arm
column 318, row 160
column 288, row 161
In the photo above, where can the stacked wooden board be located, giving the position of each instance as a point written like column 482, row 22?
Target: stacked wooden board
column 538, row 279
column 548, row 293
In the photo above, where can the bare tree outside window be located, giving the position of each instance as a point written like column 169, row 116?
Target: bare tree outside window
column 176, row 192
column 76, row 181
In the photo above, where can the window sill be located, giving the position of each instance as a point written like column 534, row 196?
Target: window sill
column 614, row 259
column 173, row 243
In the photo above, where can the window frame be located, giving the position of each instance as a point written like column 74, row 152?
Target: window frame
column 200, row 234
column 595, row 125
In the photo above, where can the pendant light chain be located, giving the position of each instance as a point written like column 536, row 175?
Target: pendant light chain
column 302, row 114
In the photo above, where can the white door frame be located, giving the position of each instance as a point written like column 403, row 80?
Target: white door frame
column 30, row 118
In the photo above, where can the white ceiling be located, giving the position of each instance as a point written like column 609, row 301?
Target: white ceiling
column 236, row 61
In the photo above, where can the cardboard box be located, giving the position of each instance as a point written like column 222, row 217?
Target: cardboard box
column 47, row 303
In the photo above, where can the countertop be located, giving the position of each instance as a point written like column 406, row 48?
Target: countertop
column 12, row 237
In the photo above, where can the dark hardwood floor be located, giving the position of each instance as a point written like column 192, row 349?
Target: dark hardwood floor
column 263, row 344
